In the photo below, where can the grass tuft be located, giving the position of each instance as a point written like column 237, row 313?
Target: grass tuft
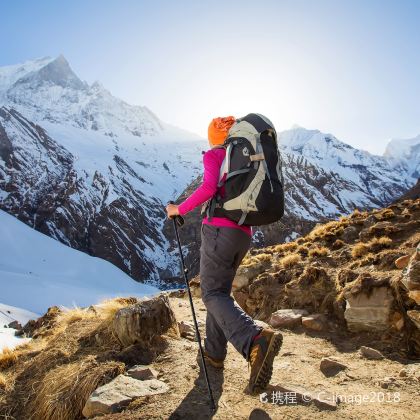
column 320, row 251
column 290, row 260
column 7, row 358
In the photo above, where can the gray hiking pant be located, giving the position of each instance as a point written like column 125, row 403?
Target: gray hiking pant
column 222, row 250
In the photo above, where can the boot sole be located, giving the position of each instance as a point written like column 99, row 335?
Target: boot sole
column 264, row 375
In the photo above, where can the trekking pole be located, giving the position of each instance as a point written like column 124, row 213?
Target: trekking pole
column 179, row 221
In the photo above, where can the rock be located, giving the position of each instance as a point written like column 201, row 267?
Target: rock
column 41, row 326
column 142, row 372
column 370, row 353
column 330, row 367
column 117, row 394
column 403, row 373
column 402, row 262
column 387, row 382
column 15, row 325
column 287, row 318
column 140, row 322
column 325, row 401
column 350, row 234
column 414, row 316
column 316, row 322
column 369, row 310
column 415, row 295
column 187, row 329
column 245, row 274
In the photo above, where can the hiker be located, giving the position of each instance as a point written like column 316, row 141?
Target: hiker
column 224, row 244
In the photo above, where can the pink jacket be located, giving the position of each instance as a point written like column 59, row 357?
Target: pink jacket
column 212, row 161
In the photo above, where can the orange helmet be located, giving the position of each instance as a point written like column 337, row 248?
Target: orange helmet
column 219, row 129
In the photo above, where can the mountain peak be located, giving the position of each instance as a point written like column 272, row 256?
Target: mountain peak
column 57, row 72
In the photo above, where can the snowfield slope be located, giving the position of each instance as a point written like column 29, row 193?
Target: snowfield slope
column 37, row 272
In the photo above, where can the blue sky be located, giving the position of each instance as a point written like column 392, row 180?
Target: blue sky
column 348, row 68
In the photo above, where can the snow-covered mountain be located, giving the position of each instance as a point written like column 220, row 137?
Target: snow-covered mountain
column 88, row 169
column 37, row 272
column 340, row 177
column 95, row 173
column 405, row 154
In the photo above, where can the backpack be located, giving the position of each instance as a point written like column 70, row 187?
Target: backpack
column 251, row 175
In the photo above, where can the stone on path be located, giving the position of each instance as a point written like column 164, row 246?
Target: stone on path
column 330, row 367
column 315, row 322
column 370, row 353
column 117, row 394
column 284, row 318
column 142, row 372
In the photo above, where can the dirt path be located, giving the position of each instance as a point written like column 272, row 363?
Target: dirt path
column 297, row 365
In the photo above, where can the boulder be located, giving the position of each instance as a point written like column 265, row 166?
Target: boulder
column 15, row 325
column 287, row 318
column 142, row 372
column 371, row 353
column 330, row 367
column 117, row 394
column 140, row 322
column 369, row 310
column 315, row 322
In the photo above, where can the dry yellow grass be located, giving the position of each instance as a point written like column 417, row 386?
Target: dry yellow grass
column 320, row 251
column 290, row 260
column 285, row 248
column 328, row 230
column 384, row 214
column 338, row 244
column 302, row 249
column 65, row 389
column 374, row 245
column 359, row 249
column 3, row 381
column 7, row 358
column 264, row 257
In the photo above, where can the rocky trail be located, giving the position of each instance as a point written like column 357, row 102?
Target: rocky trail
column 390, row 388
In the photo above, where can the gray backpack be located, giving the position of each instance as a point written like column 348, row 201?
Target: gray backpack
column 251, row 175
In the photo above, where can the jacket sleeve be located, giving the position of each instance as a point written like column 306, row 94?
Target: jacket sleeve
column 208, row 187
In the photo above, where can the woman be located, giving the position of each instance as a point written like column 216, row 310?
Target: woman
column 223, row 246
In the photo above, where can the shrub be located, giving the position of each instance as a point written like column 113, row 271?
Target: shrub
column 320, row 251
column 338, row 244
column 290, row 260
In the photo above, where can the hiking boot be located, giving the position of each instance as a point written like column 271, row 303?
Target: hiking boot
column 216, row 363
column 264, row 349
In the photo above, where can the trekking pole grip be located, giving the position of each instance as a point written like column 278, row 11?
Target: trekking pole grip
column 178, row 219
